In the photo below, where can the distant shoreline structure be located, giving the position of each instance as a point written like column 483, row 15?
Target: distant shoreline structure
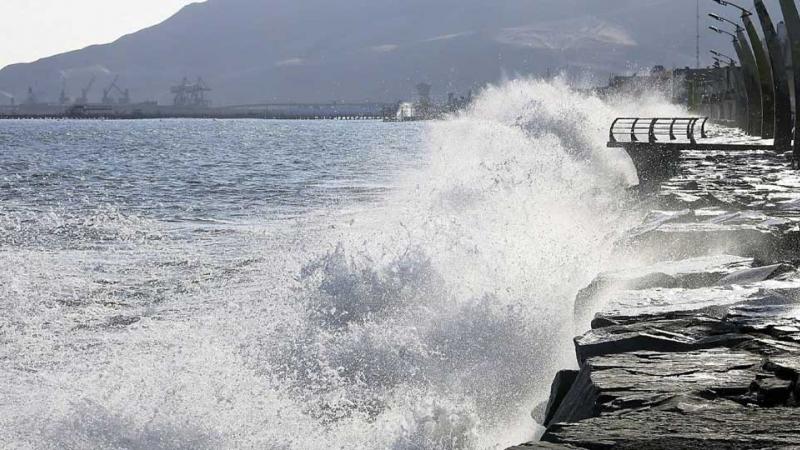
column 287, row 111
column 191, row 102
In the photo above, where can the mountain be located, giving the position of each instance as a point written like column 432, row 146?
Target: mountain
column 252, row 51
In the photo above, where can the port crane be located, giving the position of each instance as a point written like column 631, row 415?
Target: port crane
column 124, row 95
column 191, row 95
column 107, row 91
column 85, row 93
column 32, row 99
column 63, row 99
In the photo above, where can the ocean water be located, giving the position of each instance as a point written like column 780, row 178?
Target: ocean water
column 300, row 285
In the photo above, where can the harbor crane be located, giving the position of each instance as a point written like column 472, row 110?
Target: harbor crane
column 191, row 95
column 31, row 99
column 63, row 99
column 124, row 95
column 84, row 99
column 107, row 91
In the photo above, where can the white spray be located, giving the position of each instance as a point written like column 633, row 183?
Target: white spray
column 434, row 320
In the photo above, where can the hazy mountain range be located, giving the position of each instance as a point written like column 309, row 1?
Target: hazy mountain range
column 252, row 51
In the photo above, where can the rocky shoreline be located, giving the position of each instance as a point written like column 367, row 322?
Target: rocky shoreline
column 698, row 346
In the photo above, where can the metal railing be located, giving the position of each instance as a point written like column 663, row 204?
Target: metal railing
column 673, row 128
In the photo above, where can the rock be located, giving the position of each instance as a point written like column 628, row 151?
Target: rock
column 775, row 313
column 701, row 351
column 544, row 446
column 640, row 379
column 758, row 274
column 580, row 401
column 655, row 219
column 659, row 302
column 688, row 369
column 608, row 344
column 664, row 334
column 769, row 347
column 691, row 273
column 689, row 197
column 775, row 297
column 740, row 218
column 690, row 398
column 561, row 385
column 686, row 240
column 787, row 367
column 791, row 205
column 539, row 413
column 772, row 391
column 687, row 273
column 714, row 426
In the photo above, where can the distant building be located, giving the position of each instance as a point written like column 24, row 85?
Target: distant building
column 406, row 111
column 426, row 109
column 657, row 81
column 715, row 92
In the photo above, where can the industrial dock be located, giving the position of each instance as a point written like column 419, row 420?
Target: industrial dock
column 190, row 100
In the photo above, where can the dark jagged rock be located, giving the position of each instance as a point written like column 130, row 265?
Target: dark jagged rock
column 561, row 385
column 539, row 413
column 688, row 274
column 580, row 401
column 614, row 395
column 693, row 425
column 665, row 335
column 772, row 391
column 657, row 218
column 655, row 302
column 686, row 240
column 787, row 367
column 544, row 446
column 769, row 297
column 701, row 352
column 667, row 368
column 755, row 275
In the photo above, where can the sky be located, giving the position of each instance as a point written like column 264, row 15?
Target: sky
column 34, row 29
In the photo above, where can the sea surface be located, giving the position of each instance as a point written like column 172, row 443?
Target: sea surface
column 190, row 284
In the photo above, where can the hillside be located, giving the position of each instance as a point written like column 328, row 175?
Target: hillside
column 252, row 51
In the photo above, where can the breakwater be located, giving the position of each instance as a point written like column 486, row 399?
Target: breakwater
column 698, row 343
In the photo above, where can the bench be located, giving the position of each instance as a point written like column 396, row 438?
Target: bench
column 657, row 129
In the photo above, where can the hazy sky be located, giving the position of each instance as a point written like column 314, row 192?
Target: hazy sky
column 33, row 29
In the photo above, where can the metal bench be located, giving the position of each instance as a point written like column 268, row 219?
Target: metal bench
column 654, row 144
column 657, row 129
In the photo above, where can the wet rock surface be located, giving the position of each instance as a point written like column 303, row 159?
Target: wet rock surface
column 698, row 347
column 543, row 446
